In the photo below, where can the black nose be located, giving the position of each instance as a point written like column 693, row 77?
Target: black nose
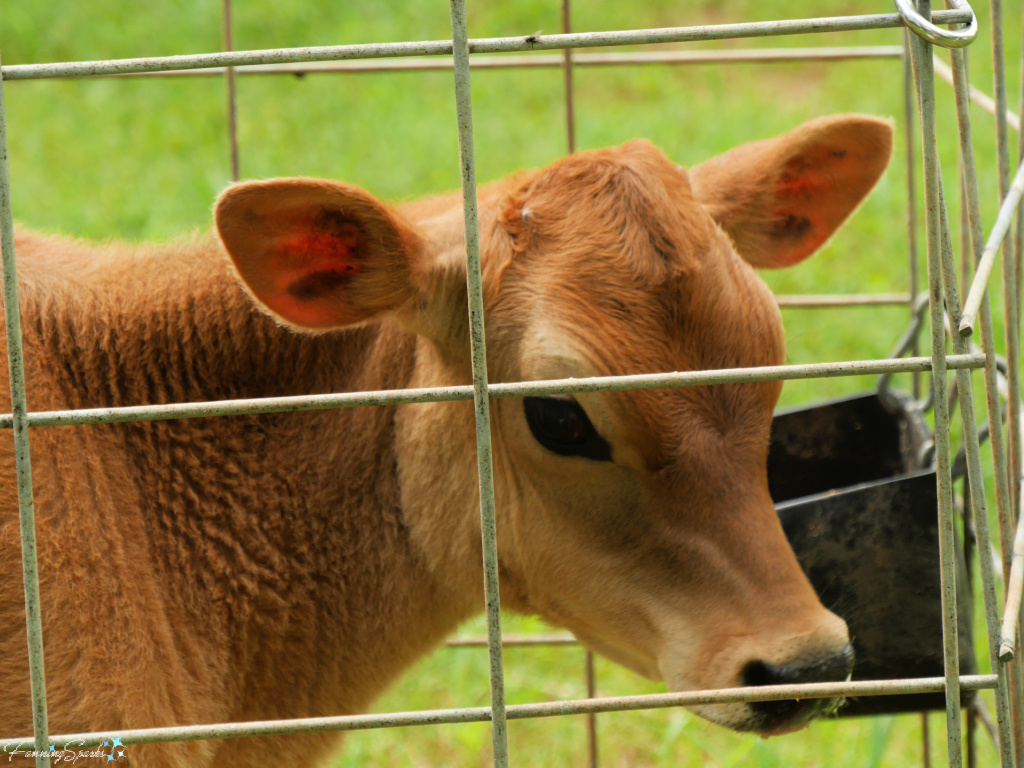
column 833, row 667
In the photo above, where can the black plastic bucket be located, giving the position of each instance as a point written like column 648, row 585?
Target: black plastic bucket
column 862, row 517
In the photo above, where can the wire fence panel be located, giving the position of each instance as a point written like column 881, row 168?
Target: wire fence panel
column 943, row 292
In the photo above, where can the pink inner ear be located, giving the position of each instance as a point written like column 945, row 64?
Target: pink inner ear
column 308, row 270
column 298, row 258
column 800, row 185
column 320, row 245
column 799, row 222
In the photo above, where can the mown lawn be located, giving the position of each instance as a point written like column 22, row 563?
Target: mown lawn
column 143, row 158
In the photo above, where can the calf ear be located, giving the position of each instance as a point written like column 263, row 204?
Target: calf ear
column 318, row 254
column 780, row 200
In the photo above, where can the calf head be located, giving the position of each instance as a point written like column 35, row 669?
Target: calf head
column 639, row 520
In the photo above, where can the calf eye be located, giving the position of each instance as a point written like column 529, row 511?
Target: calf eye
column 562, row 426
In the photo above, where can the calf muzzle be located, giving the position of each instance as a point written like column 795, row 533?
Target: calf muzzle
column 772, row 717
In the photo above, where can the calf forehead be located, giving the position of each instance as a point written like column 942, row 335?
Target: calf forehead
column 627, row 210
column 694, row 310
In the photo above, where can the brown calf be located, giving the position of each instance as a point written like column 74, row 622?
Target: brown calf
column 290, row 565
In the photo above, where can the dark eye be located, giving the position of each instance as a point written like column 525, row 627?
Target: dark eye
column 562, row 426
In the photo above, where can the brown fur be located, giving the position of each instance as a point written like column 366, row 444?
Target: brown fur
column 291, row 565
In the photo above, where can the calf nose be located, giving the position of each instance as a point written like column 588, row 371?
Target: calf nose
column 834, row 666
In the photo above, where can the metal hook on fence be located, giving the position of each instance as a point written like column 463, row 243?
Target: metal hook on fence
column 947, row 38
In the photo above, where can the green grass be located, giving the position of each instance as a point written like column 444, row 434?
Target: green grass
column 144, row 159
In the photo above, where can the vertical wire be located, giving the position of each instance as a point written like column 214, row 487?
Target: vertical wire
column 975, row 484
column 969, row 179
column 969, row 535
column 570, row 101
column 1011, row 280
column 22, row 460
column 570, row 130
column 926, row 754
column 591, row 716
column 908, row 135
column 232, row 104
column 972, row 737
column 481, row 401
column 924, row 83
column 1017, row 678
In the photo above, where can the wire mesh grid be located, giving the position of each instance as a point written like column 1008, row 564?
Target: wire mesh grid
column 941, row 287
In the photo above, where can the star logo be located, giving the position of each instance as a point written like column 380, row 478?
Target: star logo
column 116, row 749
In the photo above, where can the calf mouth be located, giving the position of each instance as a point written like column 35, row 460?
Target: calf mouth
column 777, row 718
column 769, row 718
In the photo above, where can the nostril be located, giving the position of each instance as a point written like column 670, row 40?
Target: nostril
column 758, row 673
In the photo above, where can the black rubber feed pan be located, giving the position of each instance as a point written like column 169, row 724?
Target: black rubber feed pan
column 862, row 519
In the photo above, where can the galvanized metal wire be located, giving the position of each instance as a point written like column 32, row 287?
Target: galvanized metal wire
column 976, row 483
column 942, row 289
column 983, row 272
column 466, row 392
column 1014, row 594
column 22, row 457
column 1011, row 291
column 484, row 45
column 481, row 401
column 518, row 711
column 934, row 206
column 928, row 30
column 541, row 61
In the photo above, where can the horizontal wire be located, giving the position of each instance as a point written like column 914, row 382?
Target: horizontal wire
column 483, row 45
column 457, row 393
column 514, row 712
column 545, row 61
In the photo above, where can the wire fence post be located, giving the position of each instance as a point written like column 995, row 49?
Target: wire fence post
column 924, row 84
column 970, row 535
column 570, row 130
column 22, row 460
column 481, row 394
